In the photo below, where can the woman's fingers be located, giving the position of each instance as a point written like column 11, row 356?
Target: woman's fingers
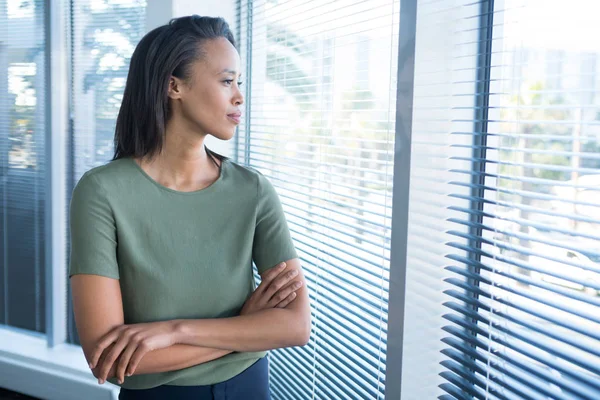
column 140, row 352
column 102, row 344
column 96, row 369
column 281, row 280
column 112, row 355
column 287, row 300
column 284, row 293
column 124, row 360
column 271, row 274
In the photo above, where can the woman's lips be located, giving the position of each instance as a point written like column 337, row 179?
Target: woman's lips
column 235, row 117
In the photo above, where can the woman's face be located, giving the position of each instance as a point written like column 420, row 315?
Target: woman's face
column 213, row 94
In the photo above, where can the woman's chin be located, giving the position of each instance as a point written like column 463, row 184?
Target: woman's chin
column 224, row 135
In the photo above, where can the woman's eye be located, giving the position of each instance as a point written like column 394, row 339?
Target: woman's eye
column 229, row 81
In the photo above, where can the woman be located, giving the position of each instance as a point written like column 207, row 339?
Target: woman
column 163, row 236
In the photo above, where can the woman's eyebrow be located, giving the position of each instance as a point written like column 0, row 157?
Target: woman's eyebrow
column 229, row 71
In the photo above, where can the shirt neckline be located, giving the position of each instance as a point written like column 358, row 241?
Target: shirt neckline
column 208, row 189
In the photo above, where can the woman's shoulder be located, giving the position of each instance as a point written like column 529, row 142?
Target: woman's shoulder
column 243, row 171
column 105, row 175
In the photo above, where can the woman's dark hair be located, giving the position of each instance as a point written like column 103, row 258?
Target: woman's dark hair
column 169, row 50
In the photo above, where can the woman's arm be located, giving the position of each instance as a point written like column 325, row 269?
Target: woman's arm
column 277, row 290
column 264, row 330
column 171, row 358
column 94, row 318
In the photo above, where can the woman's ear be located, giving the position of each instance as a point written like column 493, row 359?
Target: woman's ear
column 175, row 86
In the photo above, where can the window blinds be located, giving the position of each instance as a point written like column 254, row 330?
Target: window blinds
column 319, row 123
column 505, row 148
column 103, row 37
column 22, row 163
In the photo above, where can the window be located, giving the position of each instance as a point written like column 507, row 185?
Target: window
column 521, row 316
column 104, row 35
column 320, row 115
column 22, row 164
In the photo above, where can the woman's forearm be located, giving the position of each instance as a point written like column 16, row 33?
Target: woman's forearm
column 264, row 330
column 177, row 356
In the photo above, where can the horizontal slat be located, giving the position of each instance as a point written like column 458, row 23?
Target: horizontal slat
column 255, row 132
column 322, row 164
column 531, row 209
column 288, row 200
column 326, row 148
column 344, row 156
column 446, row 397
column 349, row 384
column 345, row 380
column 535, row 282
column 382, row 16
column 543, row 167
column 462, row 388
column 519, row 221
column 375, row 301
column 379, row 279
column 323, row 177
column 302, row 361
column 339, row 302
column 569, row 378
column 364, row 374
column 296, row 383
column 371, row 356
column 264, row 126
column 564, row 337
column 584, row 155
column 303, row 224
column 530, row 136
column 537, row 297
column 523, row 250
column 378, row 44
column 332, row 201
column 281, row 390
column 514, row 234
column 301, row 373
column 339, row 119
column 384, row 244
column 321, row 381
column 527, row 373
column 260, row 45
column 575, row 295
column 564, row 353
column 321, row 10
column 521, row 178
column 304, row 354
column 506, row 389
column 371, row 272
column 559, row 122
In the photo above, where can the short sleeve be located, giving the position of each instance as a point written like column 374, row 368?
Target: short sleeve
column 272, row 240
column 93, row 231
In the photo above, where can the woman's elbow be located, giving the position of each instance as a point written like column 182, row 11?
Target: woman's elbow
column 304, row 339
column 303, row 332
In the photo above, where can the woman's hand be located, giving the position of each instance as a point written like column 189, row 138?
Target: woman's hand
column 131, row 343
column 96, row 371
column 275, row 290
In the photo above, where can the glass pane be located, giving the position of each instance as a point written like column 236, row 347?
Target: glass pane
column 22, row 164
column 322, row 130
column 544, row 166
column 105, row 34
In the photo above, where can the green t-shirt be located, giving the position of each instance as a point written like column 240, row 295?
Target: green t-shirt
column 178, row 254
